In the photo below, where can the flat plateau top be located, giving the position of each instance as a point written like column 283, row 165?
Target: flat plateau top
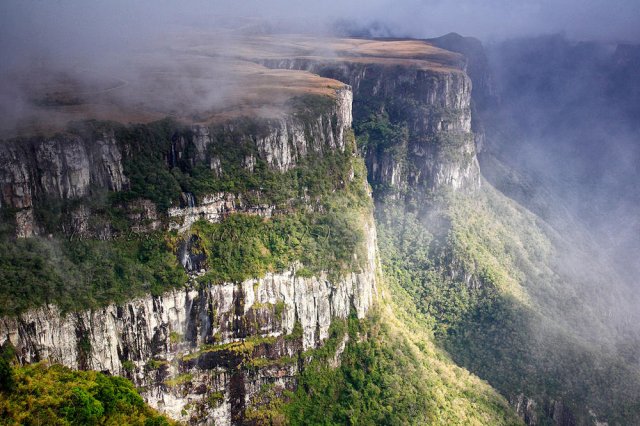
column 415, row 53
column 201, row 78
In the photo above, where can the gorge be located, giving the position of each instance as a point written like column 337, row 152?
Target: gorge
column 303, row 236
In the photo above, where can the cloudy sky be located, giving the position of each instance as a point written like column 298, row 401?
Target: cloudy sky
column 92, row 25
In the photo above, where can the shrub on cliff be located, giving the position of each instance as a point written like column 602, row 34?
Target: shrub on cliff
column 44, row 394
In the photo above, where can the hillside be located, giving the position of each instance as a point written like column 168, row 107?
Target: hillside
column 296, row 230
column 215, row 255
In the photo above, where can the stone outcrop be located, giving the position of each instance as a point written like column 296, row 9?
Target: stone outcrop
column 438, row 151
column 202, row 353
column 65, row 166
column 180, row 346
column 213, row 208
column 280, row 142
column 205, row 352
column 72, row 166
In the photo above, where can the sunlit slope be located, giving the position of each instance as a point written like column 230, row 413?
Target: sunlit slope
column 391, row 372
column 485, row 271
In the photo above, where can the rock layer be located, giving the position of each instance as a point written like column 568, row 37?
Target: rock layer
column 438, row 151
column 176, row 345
column 202, row 353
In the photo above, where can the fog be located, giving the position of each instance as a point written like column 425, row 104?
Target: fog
column 565, row 120
column 565, row 117
column 91, row 28
column 82, row 38
column 572, row 110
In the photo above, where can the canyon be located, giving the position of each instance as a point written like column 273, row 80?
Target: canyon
column 243, row 224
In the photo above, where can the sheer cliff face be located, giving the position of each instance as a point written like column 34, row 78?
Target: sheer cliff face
column 434, row 148
column 63, row 167
column 437, row 150
column 205, row 351
column 70, row 166
column 183, row 347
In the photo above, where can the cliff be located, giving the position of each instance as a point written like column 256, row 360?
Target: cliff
column 201, row 353
column 236, row 238
column 83, row 162
column 414, row 102
column 203, row 347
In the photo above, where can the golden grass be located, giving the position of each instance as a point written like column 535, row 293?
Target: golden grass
column 202, row 81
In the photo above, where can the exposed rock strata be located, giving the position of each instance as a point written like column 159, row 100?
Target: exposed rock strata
column 209, row 351
column 72, row 167
column 439, row 151
column 183, row 333
column 201, row 353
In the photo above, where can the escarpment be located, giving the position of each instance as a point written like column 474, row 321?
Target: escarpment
column 206, row 258
column 257, row 231
column 95, row 158
column 420, row 114
column 209, row 348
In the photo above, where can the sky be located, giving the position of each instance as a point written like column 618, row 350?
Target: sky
column 29, row 27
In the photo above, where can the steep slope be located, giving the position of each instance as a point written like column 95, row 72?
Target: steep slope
column 504, row 290
column 522, row 303
column 228, row 246
column 221, row 255
column 225, row 259
column 483, row 270
column 413, row 121
column 392, row 372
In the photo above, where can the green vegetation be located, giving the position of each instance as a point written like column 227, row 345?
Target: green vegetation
column 154, row 364
column 321, row 203
column 247, row 246
column 175, row 337
column 214, row 399
column 128, row 366
column 378, row 133
column 496, row 286
column 296, row 333
column 81, row 274
column 145, row 166
column 243, row 348
column 266, row 407
column 480, row 269
column 151, row 146
column 55, row 395
column 390, row 373
column 380, row 138
column 179, row 380
column 256, row 363
column 279, row 308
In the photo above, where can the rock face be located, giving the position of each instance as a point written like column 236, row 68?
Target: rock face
column 73, row 166
column 289, row 139
column 552, row 411
column 477, row 67
column 62, row 167
column 203, row 353
column 433, row 106
column 213, row 208
column 438, row 151
column 484, row 97
column 280, row 142
column 187, row 345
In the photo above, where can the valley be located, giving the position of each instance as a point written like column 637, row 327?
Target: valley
column 287, row 229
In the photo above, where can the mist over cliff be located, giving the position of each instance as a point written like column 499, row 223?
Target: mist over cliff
column 206, row 141
column 568, row 110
